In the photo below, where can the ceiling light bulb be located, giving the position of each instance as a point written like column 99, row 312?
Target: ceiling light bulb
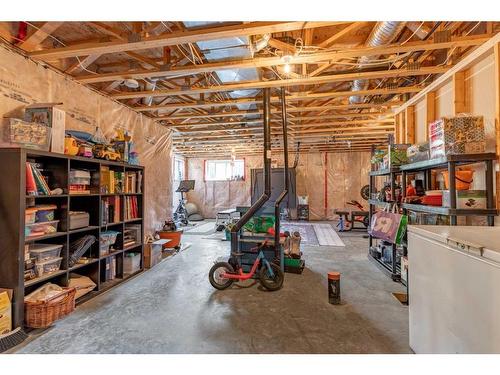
column 287, row 68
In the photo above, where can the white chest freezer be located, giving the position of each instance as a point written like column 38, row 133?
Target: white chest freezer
column 454, row 289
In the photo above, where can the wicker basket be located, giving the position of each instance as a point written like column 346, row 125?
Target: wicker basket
column 43, row 313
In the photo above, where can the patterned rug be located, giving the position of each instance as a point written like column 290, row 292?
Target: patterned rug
column 306, row 231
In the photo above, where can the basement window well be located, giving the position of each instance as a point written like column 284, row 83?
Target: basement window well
column 225, row 170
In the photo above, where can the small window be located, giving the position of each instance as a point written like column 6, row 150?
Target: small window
column 224, row 170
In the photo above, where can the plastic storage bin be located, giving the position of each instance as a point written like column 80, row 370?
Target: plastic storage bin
column 30, row 215
column 131, row 263
column 47, row 266
column 40, row 229
column 45, row 213
column 41, row 251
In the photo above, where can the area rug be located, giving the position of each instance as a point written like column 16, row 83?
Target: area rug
column 306, row 232
column 327, row 236
column 201, row 228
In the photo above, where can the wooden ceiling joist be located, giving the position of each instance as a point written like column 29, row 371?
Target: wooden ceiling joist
column 289, row 110
column 318, row 57
column 393, row 73
column 176, row 38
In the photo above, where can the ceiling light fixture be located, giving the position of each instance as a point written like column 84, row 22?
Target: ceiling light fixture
column 287, row 59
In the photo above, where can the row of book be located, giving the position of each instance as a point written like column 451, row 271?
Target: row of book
column 111, row 181
column 36, row 183
column 131, row 208
column 133, row 182
column 110, row 210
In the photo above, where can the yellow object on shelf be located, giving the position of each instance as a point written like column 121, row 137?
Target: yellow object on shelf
column 70, row 146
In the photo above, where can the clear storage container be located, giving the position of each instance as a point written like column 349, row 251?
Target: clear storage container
column 131, row 263
column 40, row 229
column 41, row 251
column 47, row 266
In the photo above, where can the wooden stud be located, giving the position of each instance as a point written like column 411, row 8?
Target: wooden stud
column 459, row 95
column 410, row 124
column 430, row 110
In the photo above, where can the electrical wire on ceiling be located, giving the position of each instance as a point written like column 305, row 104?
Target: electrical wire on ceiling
column 64, row 45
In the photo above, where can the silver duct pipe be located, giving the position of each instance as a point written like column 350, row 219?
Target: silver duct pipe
column 383, row 33
column 149, row 86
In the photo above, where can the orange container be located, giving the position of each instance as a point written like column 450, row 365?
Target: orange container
column 174, row 237
column 463, row 179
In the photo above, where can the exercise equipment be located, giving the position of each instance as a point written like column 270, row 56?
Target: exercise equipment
column 181, row 213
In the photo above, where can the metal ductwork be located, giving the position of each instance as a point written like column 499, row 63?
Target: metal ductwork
column 149, row 86
column 383, row 33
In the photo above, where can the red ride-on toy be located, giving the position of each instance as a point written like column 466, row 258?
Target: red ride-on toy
column 223, row 274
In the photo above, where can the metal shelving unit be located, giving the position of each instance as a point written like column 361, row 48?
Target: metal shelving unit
column 425, row 167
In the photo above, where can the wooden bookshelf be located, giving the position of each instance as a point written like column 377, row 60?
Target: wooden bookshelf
column 13, row 200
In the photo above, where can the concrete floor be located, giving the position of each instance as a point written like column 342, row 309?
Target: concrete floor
column 172, row 308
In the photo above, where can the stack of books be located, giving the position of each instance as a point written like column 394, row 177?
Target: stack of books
column 79, row 180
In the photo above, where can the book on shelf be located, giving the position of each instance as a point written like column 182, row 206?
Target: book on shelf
column 131, row 208
column 111, row 181
column 110, row 210
column 133, row 182
column 36, row 183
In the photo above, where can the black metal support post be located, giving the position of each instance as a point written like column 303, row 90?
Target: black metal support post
column 453, row 190
column 489, row 191
column 267, row 176
column 284, row 193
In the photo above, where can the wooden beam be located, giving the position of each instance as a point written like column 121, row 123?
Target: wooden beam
column 175, row 38
column 289, row 98
column 346, row 31
column 402, row 125
column 286, row 47
column 258, row 122
column 459, row 95
column 430, row 111
column 287, row 82
column 328, row 57
column 397, row 130
column 278, row 110
column 465, row 63
column 410, row 124
column 35, row 40
column 309, row 118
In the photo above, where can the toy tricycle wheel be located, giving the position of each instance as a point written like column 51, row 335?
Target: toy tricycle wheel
column 215, row 275
column 268, row 282
column 106, row 157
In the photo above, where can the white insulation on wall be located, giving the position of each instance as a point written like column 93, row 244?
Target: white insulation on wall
column 23, row 82
column 328, row 179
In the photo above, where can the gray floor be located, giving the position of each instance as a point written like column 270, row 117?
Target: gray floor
column 172, row 308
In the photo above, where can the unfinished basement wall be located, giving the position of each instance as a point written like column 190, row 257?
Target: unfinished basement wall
column 23, row 82
column 480, row 99
column 328, row 179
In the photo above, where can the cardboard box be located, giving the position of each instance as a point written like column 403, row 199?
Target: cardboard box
column 153, row 253
column 467, row 199
column 51, row 116
column 5, row 311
